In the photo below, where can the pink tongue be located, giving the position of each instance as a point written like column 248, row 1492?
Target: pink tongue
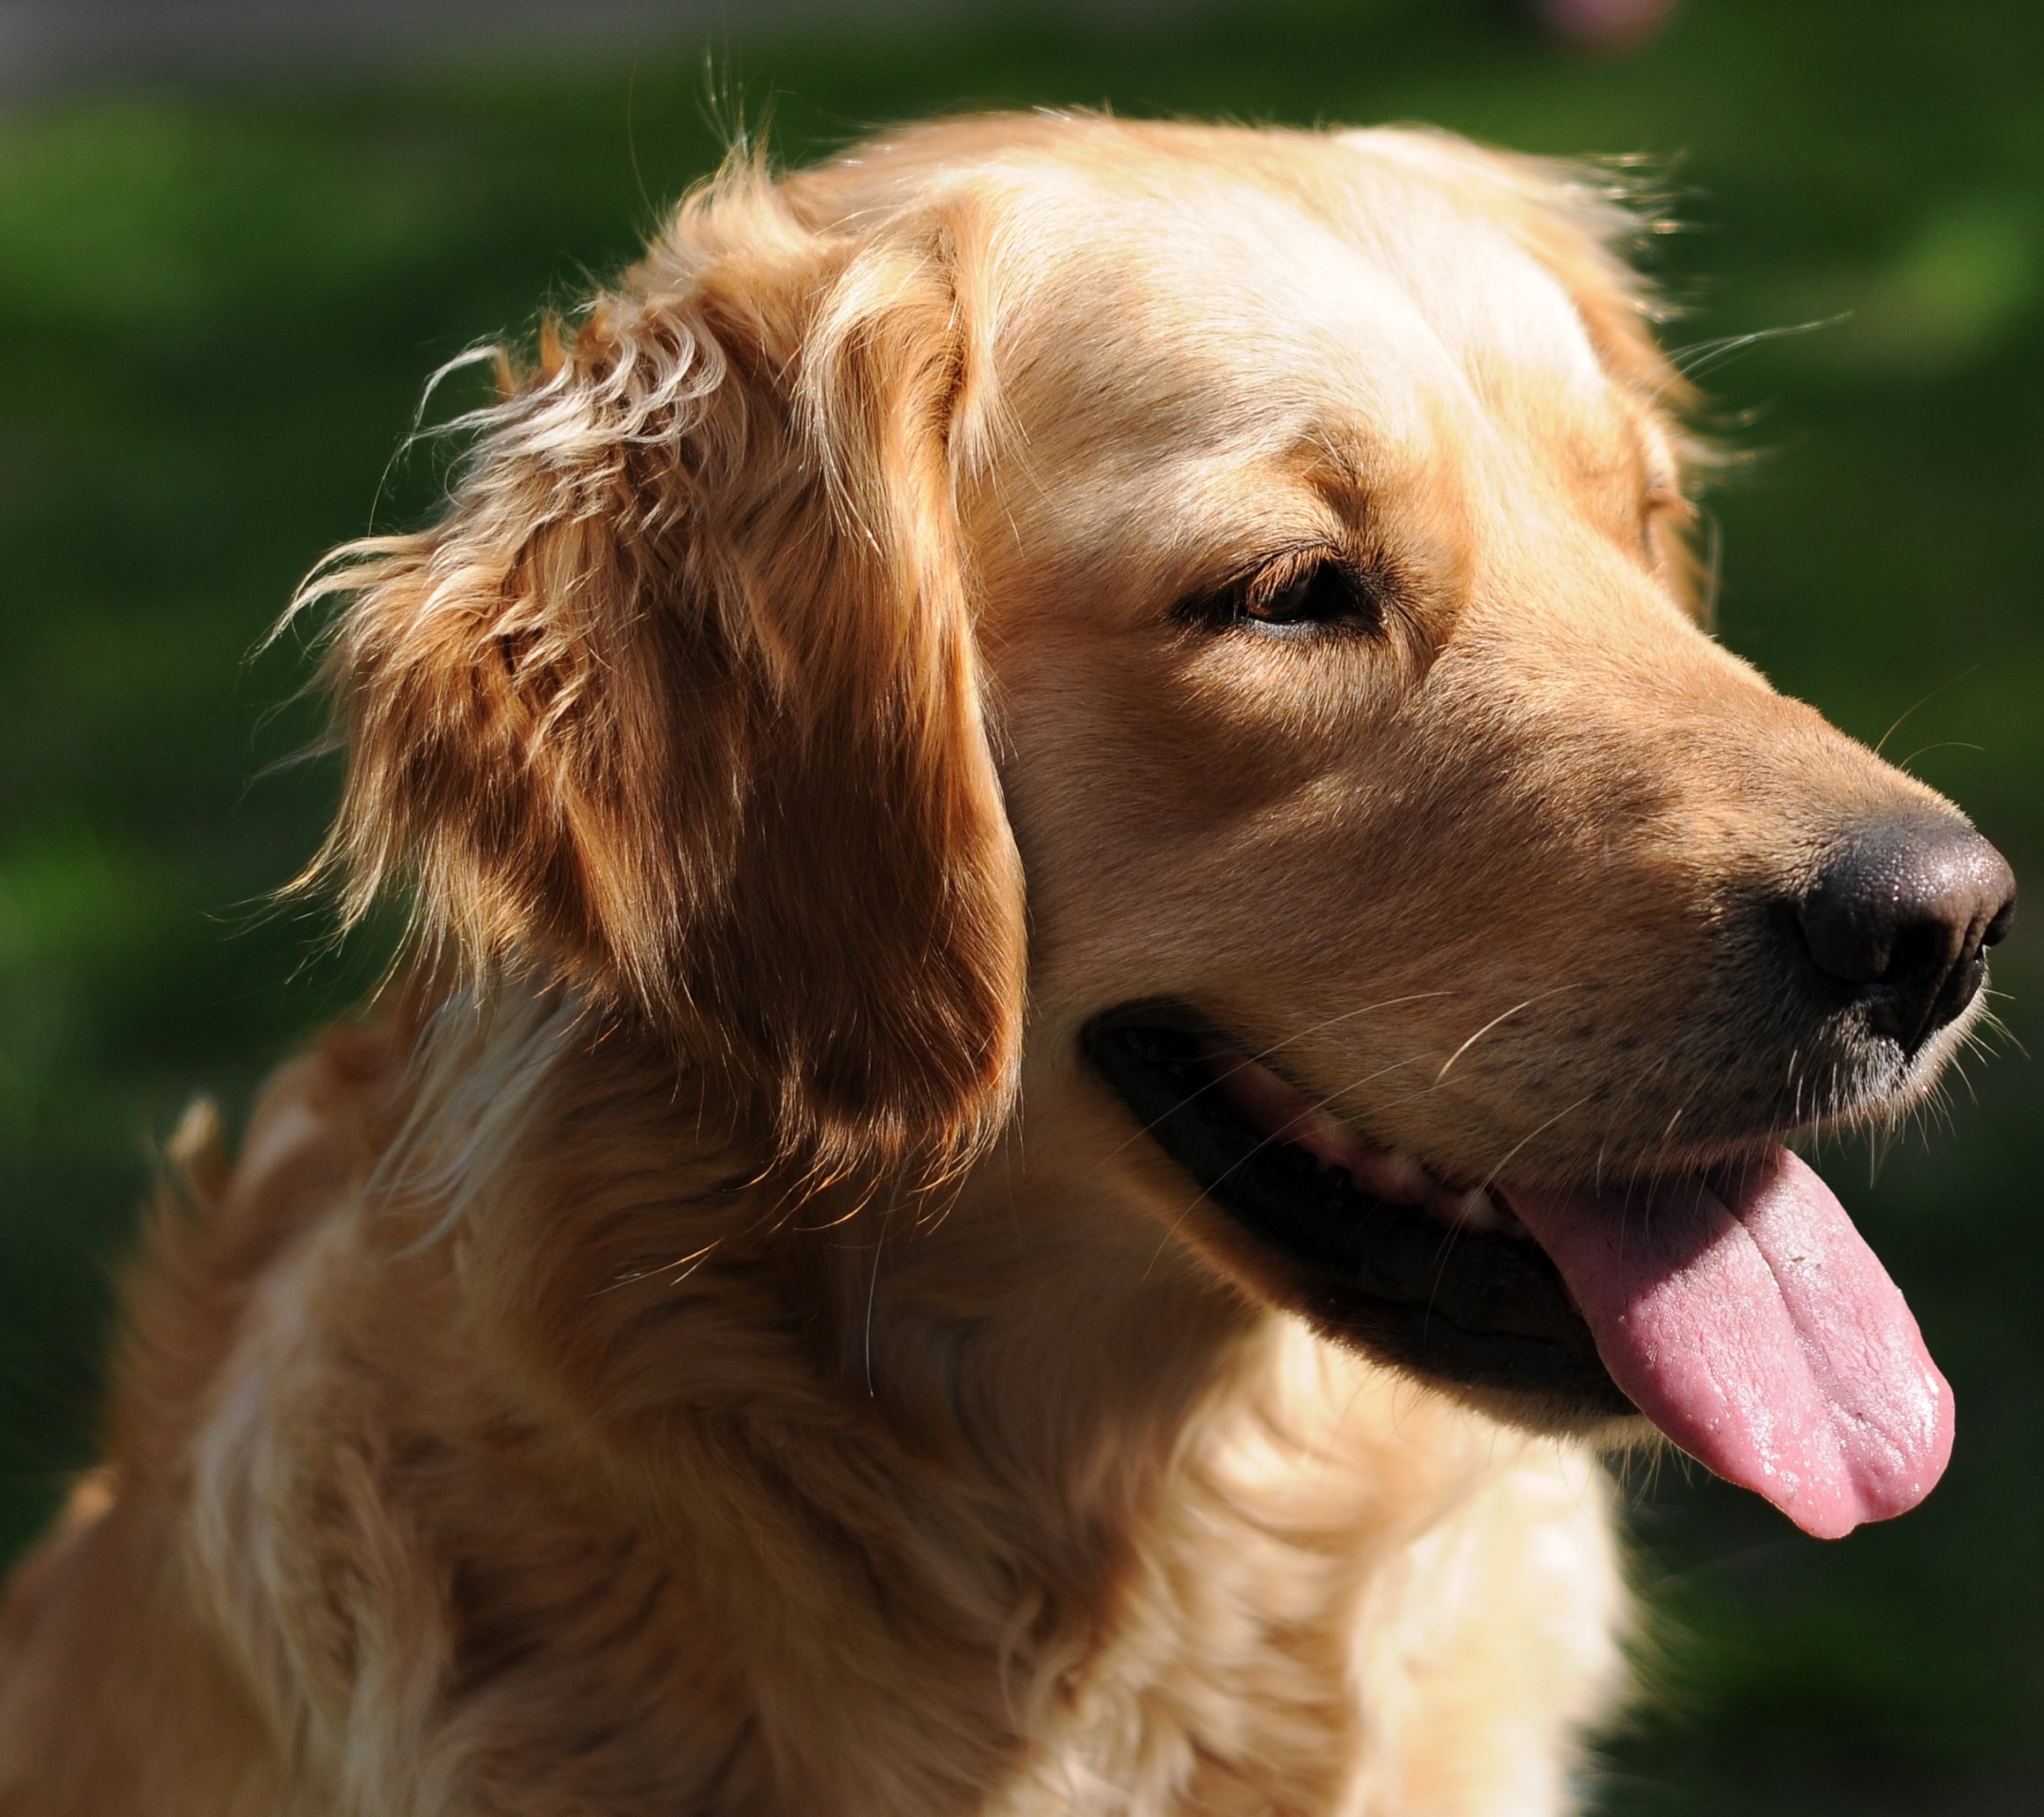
column 1748, row 1320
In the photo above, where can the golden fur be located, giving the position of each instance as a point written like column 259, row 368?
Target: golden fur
column 708, row 1345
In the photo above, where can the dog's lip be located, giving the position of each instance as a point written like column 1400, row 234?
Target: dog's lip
column 1284, row 1113
column 1371, row 1245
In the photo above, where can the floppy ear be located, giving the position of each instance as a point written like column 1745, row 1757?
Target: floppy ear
column 679, row 705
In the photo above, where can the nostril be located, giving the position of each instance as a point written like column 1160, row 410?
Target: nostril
column 1901, row 915
column 2004, row 918
column 1846, row 933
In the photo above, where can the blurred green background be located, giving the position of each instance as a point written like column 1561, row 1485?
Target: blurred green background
column 221, row 305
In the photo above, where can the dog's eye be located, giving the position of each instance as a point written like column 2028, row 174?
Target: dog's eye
column 1317, row 597
column 1296, row 597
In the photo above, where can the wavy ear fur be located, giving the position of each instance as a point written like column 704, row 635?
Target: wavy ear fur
column 679, row 706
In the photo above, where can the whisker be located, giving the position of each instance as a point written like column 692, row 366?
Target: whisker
column 1494, row 1021
column 1923, row 702
column 1943, row 744
column 1191, row 1096
column 1995, row 1025
column 1703, row 354
column 1329, row 1022
column 1966, row 1079
column 1490, row 1178
column 1206, row 1193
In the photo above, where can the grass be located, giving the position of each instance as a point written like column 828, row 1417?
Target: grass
column 221, row 307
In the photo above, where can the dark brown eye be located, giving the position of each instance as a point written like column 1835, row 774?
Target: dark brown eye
column 1298, row 596
column 1320, row 596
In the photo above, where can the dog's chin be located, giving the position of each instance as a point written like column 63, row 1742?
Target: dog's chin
column 1882, row 1080
column 1438, row 1281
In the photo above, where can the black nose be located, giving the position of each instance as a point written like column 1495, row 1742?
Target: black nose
column 1902, row 916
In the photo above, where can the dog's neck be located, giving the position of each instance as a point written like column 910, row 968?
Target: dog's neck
column 739, row 1503
column 1015, row 1331
column 996, row 1433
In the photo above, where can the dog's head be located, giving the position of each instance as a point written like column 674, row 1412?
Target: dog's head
column 1277, row 540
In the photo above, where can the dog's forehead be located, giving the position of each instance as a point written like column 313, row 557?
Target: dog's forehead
column 1177, row 307
column 1196, row 366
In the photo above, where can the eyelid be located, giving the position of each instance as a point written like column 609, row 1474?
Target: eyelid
column 1262, row 578
column 1276, row 572
column 1240, row 603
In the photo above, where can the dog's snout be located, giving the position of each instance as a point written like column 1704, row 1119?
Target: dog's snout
column 1902, row 916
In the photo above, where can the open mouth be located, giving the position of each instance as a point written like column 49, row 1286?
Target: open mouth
column 1736, row 1308
column 1442, row 1281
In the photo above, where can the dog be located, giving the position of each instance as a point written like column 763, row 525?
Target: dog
column 1101, row 970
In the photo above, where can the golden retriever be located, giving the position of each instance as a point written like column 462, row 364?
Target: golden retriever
column 1100, row 969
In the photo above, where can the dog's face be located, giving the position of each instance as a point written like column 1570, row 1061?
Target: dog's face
column 1332, row 609
column 1401, row 851
column 1351, row 696
column 1383, row 803
column 1303, row 517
